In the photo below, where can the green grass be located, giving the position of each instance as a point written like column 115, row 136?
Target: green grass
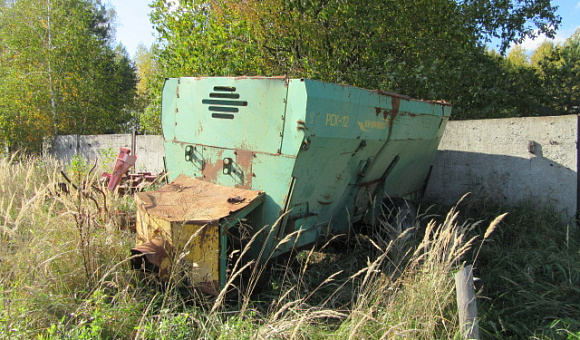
column 530, row 270
column 65, row 274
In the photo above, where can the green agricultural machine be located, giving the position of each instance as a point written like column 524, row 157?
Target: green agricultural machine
column 280, row 161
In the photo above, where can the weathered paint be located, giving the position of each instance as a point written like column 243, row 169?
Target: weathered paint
column 189, row 216
column 196, row 245
column 319, row 151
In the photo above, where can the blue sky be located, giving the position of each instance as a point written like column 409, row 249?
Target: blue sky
column 569, row 10
column 133, row 26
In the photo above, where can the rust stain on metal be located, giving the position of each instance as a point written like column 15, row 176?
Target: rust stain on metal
column 301, row 125
column 392, row 114
column 394, row 111
column 194, row 201
column 212, row 169
column 244, row 160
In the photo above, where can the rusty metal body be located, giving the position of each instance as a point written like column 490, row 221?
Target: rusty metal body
column 316, row 154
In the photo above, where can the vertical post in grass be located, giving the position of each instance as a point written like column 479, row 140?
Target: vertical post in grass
column 466, row 304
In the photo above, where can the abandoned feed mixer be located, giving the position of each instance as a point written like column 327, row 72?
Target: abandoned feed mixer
column 280, row 155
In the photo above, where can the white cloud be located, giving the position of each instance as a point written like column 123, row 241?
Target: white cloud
column 577, row 5
column 561, row 36
column 532, row 44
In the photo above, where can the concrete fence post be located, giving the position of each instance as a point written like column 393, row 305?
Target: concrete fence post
column 466, row 304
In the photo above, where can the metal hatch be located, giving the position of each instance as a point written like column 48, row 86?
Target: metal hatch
column 233, row 113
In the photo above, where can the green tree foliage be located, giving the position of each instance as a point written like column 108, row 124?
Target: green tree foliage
column 149, row 85
column 517, row 56
column 510, row 20
column 541, row 52
column 496, row 87
column 430, row 49
column 547, row 83
column 560, row 72
column 59, row 72
column 376, row 44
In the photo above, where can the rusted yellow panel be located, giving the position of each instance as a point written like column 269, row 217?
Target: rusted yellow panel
column 196, row 246
column 183, row 218
column 200, row 247
column 150, row 227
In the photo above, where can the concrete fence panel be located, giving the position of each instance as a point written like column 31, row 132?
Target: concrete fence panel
column 148, row 149
column 508, row 161
column 150, row 153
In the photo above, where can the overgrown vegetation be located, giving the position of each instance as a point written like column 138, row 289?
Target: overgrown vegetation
column 65, row 274
column 427, row 49
column 530, row 274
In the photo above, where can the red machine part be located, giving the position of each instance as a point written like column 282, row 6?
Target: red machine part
column 124, row 161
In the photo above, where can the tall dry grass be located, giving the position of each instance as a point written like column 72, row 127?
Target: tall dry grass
column 57, row 248
column 405, row 288
column 65, row 275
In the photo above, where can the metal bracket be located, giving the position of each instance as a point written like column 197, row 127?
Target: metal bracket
column 193, row 156
column 227, row 168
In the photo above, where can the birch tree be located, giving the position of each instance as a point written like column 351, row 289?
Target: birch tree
column 60, row 72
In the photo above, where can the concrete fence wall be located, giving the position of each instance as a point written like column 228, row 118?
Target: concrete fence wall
column 502, row 160
column 148, row 149
column 508, row 161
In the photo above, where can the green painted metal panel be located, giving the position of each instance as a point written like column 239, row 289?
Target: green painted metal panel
column 229, row 112
column 338, row 110
column 183, row 158
column 272, row 174
column 347, row 140
column 295, row 127
column 167, row 106
column 319, row 151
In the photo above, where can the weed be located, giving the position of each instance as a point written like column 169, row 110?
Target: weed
column 530, row 275
column 108, row 158
column 65, row 274
column 79, row 166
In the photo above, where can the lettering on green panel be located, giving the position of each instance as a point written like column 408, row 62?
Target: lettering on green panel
column 337, row 120
column 372, row 125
